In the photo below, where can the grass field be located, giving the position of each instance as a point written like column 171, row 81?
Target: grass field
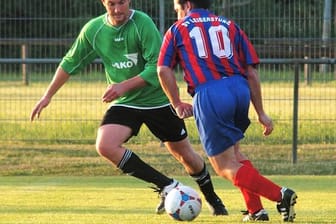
column 125, row 200
column 27, row 159
column 45, row 179
column 71, row 184
column 76, row 110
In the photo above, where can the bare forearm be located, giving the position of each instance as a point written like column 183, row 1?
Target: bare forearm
column 169, row 85
column 116, row 90
column 256, row 99
column 133, row 83
column 58, row 81
column 255, row 89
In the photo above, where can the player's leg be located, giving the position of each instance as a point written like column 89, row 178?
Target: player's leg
column 171, row 130
column 248, row 178
column 117, row 126
column 109, row 145
column 215, row 107
column 184, row 153
column 255, row 210
column 196, row 168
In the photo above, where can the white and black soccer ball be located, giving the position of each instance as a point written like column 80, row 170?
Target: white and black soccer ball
column 183, row 203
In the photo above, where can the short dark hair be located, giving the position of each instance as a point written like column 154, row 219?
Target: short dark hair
column 205, row 4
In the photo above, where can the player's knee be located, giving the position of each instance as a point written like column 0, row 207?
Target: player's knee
column 227, row 172
column 103, row 150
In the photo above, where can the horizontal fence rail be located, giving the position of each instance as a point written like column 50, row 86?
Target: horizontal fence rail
column 262, row 61
column 295, row 41
column 296, row 62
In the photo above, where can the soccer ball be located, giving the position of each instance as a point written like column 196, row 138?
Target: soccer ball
column 183, row 203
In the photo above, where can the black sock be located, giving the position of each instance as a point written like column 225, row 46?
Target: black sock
column 204, row 182
column 132, row 165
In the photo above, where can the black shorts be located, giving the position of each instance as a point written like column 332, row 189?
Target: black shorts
column 162, row 122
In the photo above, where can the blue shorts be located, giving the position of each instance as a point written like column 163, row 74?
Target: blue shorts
column 221, row 112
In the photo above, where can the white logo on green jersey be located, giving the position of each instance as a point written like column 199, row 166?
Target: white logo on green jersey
column 133, row 57
column 132, row 61
column 118, row 39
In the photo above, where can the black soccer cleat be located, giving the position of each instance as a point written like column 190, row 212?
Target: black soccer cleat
column 216, row 205
column 286, row 205
column 261, row 215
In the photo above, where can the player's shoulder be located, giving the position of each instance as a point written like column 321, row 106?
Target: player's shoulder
column 95, row 22
column 140, row 16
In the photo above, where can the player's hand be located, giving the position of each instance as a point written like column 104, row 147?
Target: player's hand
column 184, row 110
column 266, row 123
column 44, row 101
column 113, row 92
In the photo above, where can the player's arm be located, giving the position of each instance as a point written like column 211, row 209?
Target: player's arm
column 117, row 90
column 57, row 82
column 79, row 55
column 250, row 58
column 151, row 40
column 256, row 99
column 169, row 85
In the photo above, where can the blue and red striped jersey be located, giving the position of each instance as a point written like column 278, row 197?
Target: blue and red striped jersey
column 208, row 47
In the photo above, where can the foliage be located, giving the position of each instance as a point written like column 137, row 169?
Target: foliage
column 280, row 18
column 63, row 19
column 263, row 20
column 45, row 19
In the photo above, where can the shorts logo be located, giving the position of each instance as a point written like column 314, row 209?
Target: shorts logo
column 183, row 131
column 132, row 61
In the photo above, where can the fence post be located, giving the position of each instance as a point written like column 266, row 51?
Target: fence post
column 307, row 72
column 24, row 55
column 162, row 17
column 295, row 112
column 326, row 31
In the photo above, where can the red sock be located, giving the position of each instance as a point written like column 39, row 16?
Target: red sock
column 252, row 201
column 249, row 179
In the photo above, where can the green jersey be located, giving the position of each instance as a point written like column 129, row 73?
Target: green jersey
column 126, row 51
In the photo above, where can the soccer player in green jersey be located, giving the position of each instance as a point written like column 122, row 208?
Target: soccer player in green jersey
column 128, row 43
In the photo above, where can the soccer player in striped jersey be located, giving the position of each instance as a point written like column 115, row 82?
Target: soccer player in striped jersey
column 128, row 42
column 219, row 64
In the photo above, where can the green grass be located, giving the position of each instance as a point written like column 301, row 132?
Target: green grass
column 51, row 173
column 125, row 200
column 75, row 112
column 26, row 159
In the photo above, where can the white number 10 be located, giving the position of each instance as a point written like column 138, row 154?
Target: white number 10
column 219, row 41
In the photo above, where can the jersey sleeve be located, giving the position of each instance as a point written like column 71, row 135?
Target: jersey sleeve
column 168, row 56
column 247, row 52
column 151, row 40
column 80, row 54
